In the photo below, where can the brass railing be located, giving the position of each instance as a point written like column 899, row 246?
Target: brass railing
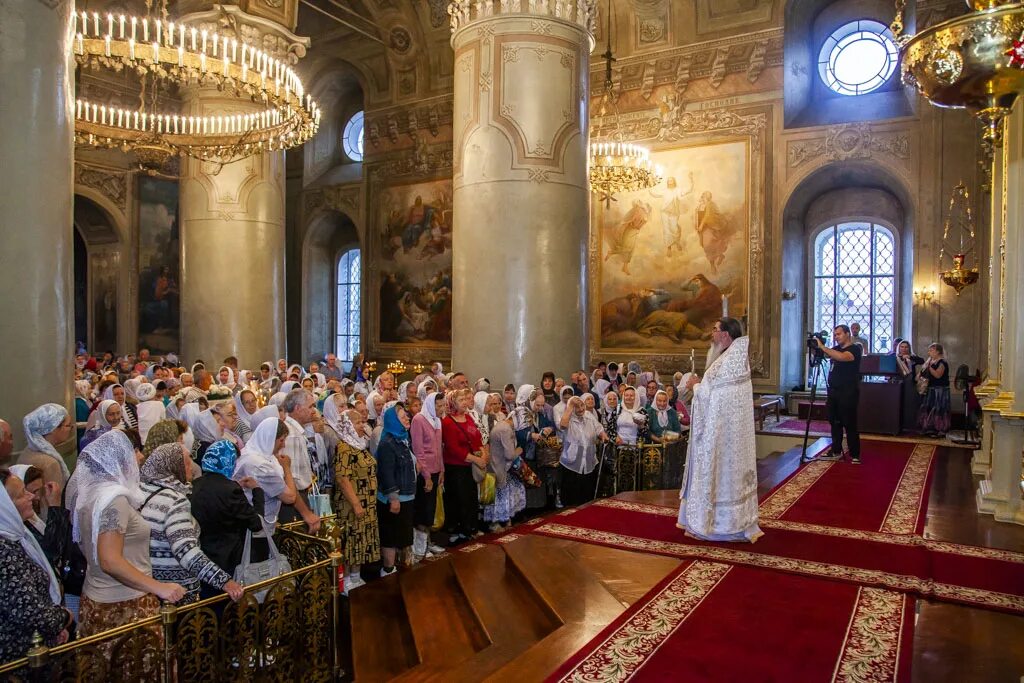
column 641, row 467
column 292, row 635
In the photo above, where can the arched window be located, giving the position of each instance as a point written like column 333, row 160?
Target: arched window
column 857, row 57
column 348, row 305
column 352, row 137
column 854, row 281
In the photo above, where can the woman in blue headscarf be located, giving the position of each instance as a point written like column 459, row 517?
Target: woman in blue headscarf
column 396, row 486
column 221, row 509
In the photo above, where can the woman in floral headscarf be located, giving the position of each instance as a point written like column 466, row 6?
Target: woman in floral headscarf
column 355, row 497
column 46, row 427
column 174, row 549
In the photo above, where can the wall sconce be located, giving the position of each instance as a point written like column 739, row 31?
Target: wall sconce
column 924, row 295
column 788, row 294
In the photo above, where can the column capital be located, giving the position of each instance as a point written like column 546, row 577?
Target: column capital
column 466, row 13
column 254, row 29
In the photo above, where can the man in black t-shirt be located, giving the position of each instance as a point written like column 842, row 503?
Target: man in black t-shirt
column 843, row 393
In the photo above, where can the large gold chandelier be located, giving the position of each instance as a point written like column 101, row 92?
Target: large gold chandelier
column 616, row 166
column 973, row 61
column 168, row 55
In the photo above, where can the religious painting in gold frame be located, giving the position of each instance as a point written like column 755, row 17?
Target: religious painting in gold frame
column 411, row 233
column 666, row 262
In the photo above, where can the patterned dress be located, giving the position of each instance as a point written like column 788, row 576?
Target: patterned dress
column 360, row 537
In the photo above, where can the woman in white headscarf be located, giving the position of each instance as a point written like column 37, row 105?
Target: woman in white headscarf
column 375, row 406
column 104, row 497
column 403, row 391
column 128, row 416
column 425, row 440
column 131, row 388
column 262, row 414
column 427, row 386
column 32, row 599
column 631, row 424
column 150, row 410
column 260, row 460
column 205, row 427
column 226, row 377
column 559, row 408
column 579, row 453
column 107, row 416
column 45, row 428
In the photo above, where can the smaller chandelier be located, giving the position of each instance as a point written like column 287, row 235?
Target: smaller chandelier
column 396, row 368
column 180, row 55
column 621, row 167
column 958, row 219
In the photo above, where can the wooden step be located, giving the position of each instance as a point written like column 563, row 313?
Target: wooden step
column 446, row 628
column 383, row 645
column 515, row 615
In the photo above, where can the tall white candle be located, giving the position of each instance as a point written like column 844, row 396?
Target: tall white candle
column 725, row 306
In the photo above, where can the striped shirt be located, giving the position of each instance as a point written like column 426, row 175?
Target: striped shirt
column 174, row 542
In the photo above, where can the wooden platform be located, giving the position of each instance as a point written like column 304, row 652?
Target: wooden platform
column 515, row 611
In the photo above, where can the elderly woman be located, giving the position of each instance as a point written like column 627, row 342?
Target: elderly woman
column 531, row 425
column 232, row 428
column 261, row 460
column 104, row 496
column 83, row 406
column 563, row 401
column 461, row 448
column 32, row 595
column 222, row 511
column 510, row 494
column 631, row 424
column 425, row 432
column 508, row 399
column 579, row 453
column 396, row 478
column 355, row 498
column 45, row 428
column 174, row 549
column 118, row 393
column 662, row 419
column 107, row 416
column 246, row 405
column 933, row 415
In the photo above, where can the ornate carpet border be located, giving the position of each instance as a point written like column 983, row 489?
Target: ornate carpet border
column 627, row 648
column 790, row 491
column 871, row 649
column 869, row 577
column 908, row 540
column 908, row 500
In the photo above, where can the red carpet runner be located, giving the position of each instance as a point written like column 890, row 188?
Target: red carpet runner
column 710, row 621
column 834, row 520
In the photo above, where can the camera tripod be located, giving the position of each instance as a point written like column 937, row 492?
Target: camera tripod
column 815, row 363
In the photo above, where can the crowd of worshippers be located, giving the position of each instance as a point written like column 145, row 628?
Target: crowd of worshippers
column 175, row 468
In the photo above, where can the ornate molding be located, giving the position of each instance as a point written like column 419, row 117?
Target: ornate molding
column 266, row 34
column 344, row 198
column 411, row 120
column 748, row 54
column 465, row 13
column 109, row 182
column 849, row 141
column 421, row 160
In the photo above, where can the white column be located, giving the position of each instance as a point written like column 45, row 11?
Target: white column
column 36, row 192
column 521, row 198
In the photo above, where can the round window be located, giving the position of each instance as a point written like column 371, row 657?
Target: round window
column 353, row 137
column 857, row 57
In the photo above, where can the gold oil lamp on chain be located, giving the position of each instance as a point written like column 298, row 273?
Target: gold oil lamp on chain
column 961, row 244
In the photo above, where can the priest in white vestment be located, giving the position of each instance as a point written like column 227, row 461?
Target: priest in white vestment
column 718, row 501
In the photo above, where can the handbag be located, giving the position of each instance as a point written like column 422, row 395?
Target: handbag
column 527, row 475
column 247, row 572
column 922, row 382
column 319, row 503
column 439, row 510
column 487, row 489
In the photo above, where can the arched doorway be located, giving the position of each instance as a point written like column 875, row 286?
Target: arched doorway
column 97, row 267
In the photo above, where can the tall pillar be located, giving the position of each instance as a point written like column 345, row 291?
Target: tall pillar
column 36, row 194
column 521, row 199
column 232, row 221
column 999, row 493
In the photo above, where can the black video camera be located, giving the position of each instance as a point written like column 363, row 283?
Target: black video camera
column 817, row 355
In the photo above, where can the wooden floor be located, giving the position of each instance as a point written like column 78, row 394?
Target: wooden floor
column 515, row 611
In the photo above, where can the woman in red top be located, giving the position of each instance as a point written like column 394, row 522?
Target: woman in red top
column 461, row 447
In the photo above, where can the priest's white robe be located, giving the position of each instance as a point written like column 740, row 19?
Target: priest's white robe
column 718, row 500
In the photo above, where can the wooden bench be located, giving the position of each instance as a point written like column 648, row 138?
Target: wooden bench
column 763, row 404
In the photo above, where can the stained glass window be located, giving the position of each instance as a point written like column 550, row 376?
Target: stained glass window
column 348, row 305
column 854, row 281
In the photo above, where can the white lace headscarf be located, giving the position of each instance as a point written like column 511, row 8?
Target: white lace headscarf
column 106, row 470
column 430, row 409
column 258, row 454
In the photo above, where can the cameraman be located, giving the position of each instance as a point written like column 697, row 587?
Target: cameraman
column 843, row 392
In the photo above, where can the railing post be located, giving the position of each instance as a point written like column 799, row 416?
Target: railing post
column 168, row 617
column 337, row 577
column 38, row 655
